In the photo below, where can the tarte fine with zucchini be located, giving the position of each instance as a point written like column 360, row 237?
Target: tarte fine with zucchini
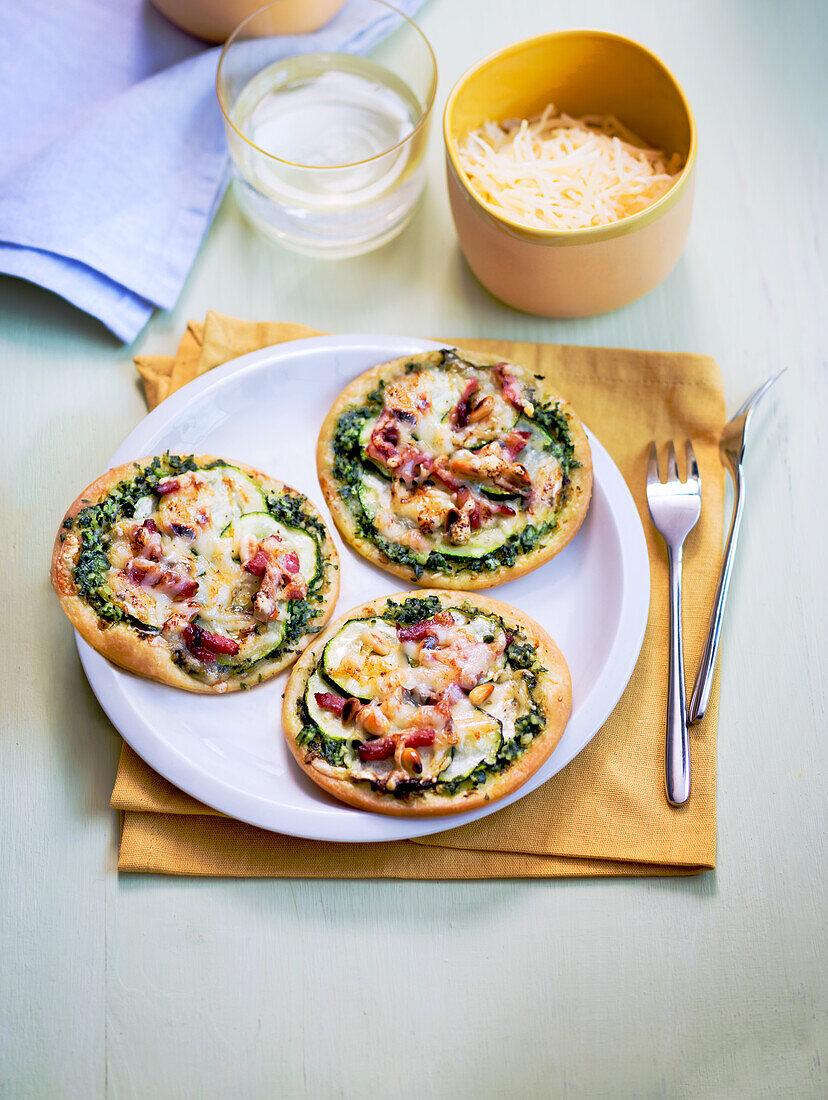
column 423, row 703
column 455, row 469
column 194, row 571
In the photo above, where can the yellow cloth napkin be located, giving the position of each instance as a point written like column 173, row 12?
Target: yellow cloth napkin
column 605, row 813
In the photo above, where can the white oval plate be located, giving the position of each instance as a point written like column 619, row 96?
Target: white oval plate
column 229, row 751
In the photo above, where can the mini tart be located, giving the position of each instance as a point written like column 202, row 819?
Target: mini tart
column 454, row 469
column 427, row 702
column 194, row 571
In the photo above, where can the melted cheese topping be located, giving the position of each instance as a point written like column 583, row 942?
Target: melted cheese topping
column 192, row 567
column 422, row 514
column 452, row 680
column 405, row 523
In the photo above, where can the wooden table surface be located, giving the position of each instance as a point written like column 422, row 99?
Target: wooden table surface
column 712, row 986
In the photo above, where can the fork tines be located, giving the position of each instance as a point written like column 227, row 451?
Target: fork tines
column 672, row 465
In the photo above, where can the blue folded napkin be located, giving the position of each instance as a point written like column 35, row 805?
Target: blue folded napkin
column 112, row 149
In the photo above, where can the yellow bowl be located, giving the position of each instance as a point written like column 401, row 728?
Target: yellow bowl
column 573, row 272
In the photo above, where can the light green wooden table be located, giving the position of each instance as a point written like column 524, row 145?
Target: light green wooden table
column 714, row 986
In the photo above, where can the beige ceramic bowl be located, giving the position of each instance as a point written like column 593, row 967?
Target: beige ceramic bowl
column 215, row 20
column 573, row 272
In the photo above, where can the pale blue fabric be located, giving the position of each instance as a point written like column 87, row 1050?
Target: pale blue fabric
column 112, row 149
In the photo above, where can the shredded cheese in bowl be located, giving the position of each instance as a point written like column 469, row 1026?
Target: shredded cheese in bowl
column 558, row 172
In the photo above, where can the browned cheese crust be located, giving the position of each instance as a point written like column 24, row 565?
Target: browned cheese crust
column 553, row 691
column 150, row 656
column 570, row 517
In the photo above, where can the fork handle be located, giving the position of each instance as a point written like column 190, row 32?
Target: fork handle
column 677, row 760
column 704, row 677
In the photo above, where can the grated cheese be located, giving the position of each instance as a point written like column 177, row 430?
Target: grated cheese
column 558, row 172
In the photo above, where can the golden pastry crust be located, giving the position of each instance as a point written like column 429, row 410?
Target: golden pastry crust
column 553, row 691
column 570, row 516
column 150, row 656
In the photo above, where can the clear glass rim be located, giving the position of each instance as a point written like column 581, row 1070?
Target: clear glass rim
column 432, row 93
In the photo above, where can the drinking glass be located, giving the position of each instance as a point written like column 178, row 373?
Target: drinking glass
column 327, row 141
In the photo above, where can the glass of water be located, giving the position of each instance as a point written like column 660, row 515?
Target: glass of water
column 327, row 129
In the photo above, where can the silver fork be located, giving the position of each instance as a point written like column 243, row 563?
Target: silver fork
column 732, row 452
column 675, row 507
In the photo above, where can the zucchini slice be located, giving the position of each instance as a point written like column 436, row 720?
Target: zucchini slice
column 352, row 665
column 266, row 638
column 370, row 493
column 536, row 450
column 366, row 433
column 251, row 528
column 494, row 492
column 330, row 724
column 146, row 607
column 229, row 493
column 480, row 736
column 482, row 542
column 374, row 496
column 505, row 703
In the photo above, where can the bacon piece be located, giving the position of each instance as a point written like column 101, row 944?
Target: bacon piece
column 168, row 485
column 440, row 472
column 464, row 495
column 143, row 572
column 384, row 441
column 450, row 696
column 470, row 513
column 380, row 749
column 280, row 575
column 217, row 643
column 511, row 388
column 467, row 516
column 176, row 586
column 183, row 529
column 417, row 739
column 295, row 590
column 415, row 467
column 351, row 709
column 257, row 564
column 514, row 442
column 206, row 645
column 290, row 562
column 176, row 622
column 384, row 747
column 149, row 574
column 489, row 508
column 327, row 700
column 437, row 715
column 459, row 415
column 147, row 541
column 418, row 631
